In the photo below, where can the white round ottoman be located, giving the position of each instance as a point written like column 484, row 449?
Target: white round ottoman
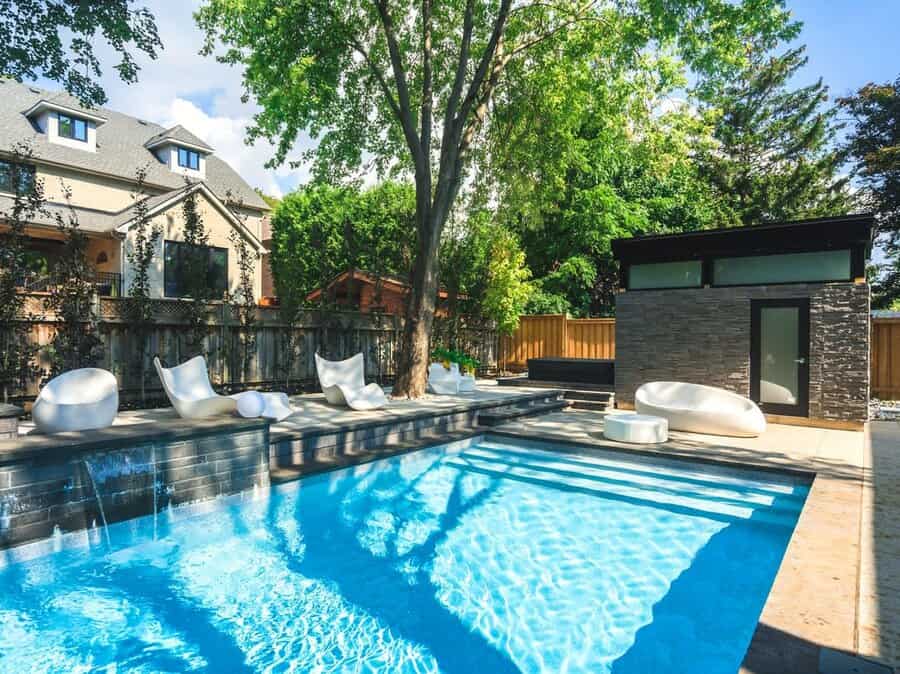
column 250, row 404
column 636, row 428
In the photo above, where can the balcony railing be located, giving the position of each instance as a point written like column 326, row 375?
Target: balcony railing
column 107, row 284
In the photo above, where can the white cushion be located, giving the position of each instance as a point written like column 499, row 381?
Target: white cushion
column 636, row 428
column 251, row 404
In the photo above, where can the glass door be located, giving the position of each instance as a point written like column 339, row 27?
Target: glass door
column 779, row 356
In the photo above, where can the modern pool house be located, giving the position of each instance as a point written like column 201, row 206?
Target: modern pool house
column 776, row 312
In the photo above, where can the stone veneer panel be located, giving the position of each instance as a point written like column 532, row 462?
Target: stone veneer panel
column 702, row 336
column 50, row 481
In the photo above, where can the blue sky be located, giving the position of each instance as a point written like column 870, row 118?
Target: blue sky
column 849, row 43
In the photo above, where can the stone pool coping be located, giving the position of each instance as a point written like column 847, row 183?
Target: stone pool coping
column 814, row 600
column 76, row 442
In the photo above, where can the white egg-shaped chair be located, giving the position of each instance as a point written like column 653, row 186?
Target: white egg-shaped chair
column 700, row 409
column 78, row 400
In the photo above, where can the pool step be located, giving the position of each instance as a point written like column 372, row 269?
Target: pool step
column 600, row 401
column 499, row 415
column 721, row 503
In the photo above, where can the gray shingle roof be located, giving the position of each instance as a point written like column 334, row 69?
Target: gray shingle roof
column 120, row 145
column 178, row 134
column 89, row 220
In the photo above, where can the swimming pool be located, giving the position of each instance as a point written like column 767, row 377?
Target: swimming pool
column 486, row 555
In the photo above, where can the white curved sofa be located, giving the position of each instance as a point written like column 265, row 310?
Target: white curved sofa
column 188, row 389
column 343, row 383
column 700, row 409
column 78, row 400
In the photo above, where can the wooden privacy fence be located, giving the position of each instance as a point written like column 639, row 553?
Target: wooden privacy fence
column 557, row 336
column 885, row 358
column 280, row 355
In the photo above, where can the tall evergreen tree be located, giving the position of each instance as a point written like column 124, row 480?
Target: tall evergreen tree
column 776, row 157
column 874, row 146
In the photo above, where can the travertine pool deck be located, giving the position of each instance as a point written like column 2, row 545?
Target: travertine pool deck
column 839, row 583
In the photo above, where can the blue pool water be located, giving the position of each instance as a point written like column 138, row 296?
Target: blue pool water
column 480, row 556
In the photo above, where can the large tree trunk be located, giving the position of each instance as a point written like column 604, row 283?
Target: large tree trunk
column 412, row 371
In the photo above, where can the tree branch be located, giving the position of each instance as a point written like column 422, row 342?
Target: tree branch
column 426, row 113
column 406, row 115
column 379, row 76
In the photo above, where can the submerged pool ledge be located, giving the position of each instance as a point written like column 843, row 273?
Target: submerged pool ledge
column 74, row 481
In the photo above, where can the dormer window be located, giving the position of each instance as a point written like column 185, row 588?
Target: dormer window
column 65, row 124
column 73, row 127
column 189, row 159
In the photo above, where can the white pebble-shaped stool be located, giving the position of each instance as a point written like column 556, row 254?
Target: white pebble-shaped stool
column 78, row 400
column 637, row 428
column 251, row 404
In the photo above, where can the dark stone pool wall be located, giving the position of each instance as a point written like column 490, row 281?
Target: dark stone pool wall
column 78, row 481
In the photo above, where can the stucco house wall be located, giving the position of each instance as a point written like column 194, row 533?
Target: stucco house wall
column 219, row 228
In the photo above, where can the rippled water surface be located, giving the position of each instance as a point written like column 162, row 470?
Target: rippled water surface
column 474, row 557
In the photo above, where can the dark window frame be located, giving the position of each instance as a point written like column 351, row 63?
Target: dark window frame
column 189, row 155
column 173, row 288
column 24, row 170
column 73, row 127
column 857, row 269
column 801, row 408
column 683, row 287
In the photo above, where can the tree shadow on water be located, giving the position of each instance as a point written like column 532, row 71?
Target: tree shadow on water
column 404, row 601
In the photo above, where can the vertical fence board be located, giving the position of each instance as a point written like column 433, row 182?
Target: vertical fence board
column 556, row 336
column 885, row 358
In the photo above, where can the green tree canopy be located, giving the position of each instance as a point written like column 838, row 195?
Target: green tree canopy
column 874, row 146
column 321, row 230
column 57, row 40
column 776, row 157
column 411, row 85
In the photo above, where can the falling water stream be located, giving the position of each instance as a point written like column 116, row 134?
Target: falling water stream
column 90, row 472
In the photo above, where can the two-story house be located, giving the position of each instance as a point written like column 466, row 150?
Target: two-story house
column 95, row 155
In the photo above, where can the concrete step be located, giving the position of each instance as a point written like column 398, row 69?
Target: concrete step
column 500, row 415
column 592, row 405
column 594, row 396
column 568, row 385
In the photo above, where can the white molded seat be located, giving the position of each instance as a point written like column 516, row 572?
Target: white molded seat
column 443, row 381
column 188, row 389
column 78, row 400
column 637, row 428
column 343, row 382
column 700, row 409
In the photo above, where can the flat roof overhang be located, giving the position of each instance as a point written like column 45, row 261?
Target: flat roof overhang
column 835, row 233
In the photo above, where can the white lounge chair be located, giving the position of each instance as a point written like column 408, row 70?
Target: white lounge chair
column 78, row 400
column 343, row 383
column 443, row 381
column 188, row 389
column 700, row 409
